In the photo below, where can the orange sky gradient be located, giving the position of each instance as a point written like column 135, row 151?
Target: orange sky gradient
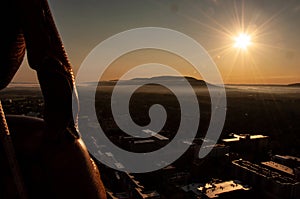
column 272, row 57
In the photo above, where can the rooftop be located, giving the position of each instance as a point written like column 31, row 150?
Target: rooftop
column 156, row 135
column 214, row 190
column 287, row 157
column 263, row 171
column 237, row 137
column 278, row 167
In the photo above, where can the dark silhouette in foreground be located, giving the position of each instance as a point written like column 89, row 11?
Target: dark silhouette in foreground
column 52, row 159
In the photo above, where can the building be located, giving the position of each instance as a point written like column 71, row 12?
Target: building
column 121, row 195
column 152, row 142
column 206, row 167
column 282, row 169
column 217, row 150
column 290, row 161
column 248, row 146
column 157, row 136
column 221, row 189
column 270, row 183
column 138, row 193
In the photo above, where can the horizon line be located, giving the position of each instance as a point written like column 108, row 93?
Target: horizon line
column 227, row 84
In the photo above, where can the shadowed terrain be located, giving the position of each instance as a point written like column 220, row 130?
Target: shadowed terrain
column 269, row 110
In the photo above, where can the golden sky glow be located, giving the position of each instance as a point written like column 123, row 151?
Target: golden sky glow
column 251, row 42
column 139, row 57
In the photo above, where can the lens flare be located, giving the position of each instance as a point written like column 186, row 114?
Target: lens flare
column 242, row 41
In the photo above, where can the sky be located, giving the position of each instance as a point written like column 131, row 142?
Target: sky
column 273, row 25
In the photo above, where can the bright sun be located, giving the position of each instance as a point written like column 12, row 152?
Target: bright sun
column 242, row 41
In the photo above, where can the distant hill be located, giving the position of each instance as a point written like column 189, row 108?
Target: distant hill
column 171, row 79
column 140, row 81
column 294, row 85
column 168, row 78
